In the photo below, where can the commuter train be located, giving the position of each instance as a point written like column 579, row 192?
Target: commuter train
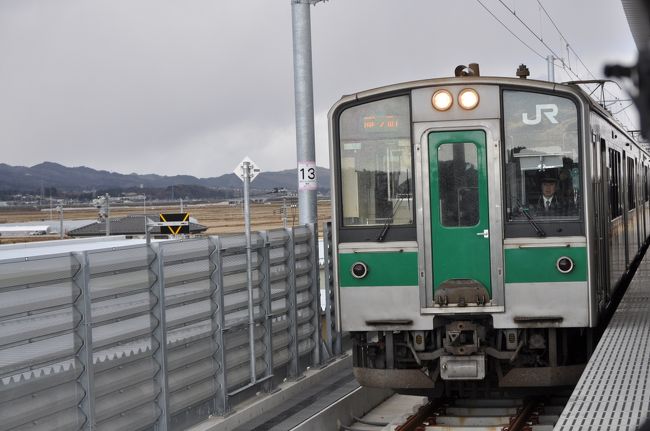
column 480, row 228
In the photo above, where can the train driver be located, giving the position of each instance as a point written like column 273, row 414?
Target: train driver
column 549, row 202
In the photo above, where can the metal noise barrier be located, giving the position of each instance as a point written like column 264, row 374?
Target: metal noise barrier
column 154, row 336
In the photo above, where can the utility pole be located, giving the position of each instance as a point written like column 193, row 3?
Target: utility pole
column 304, row 101
column 61, row 233
column 284, row 213
column 144, row 214
column 108, row 215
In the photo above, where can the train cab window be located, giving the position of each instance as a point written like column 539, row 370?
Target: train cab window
column 543, row 167
column 376, row 164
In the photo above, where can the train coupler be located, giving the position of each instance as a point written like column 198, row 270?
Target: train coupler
column 462, row 367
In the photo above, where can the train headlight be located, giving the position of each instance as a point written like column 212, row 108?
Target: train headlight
column 564, row 265
column 359, row 270
column 442, row 100
column 468, row 99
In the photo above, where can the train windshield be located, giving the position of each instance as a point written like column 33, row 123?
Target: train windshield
column 375, row 157
column 542, row 158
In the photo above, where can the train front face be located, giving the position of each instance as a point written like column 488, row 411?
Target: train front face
column 459, row 238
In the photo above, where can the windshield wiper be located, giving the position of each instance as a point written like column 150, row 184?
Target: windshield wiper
column 383, row 232
column 389, row 221
column 538, row 229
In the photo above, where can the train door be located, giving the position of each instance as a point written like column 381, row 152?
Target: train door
column 459, row 217
column 626, row 207
column 637, row 207
column 644, row 206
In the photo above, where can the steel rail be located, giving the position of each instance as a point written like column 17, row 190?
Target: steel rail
column 521, row 421
column 503, row 414
column 425, row 412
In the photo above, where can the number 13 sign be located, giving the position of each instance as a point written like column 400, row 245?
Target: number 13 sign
column 307, row 176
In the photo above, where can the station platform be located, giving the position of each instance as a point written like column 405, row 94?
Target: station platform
column 614, row 390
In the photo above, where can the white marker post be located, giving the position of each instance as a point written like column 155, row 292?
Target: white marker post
column 247, row 171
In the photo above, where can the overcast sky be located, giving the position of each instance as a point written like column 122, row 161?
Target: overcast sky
column 191, row 87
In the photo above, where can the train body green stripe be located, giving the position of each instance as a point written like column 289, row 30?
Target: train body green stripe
column 537, row 265
column 384, row 269
column 522, row 265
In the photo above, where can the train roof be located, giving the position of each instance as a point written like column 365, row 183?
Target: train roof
column 572, row 87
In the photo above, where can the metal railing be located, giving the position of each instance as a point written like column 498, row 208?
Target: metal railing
column 155, row 336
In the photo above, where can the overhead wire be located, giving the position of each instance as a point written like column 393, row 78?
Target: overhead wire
column 541, row 39
column 569, row 71
column 528, row 28
column 625, row 112
column 570, row 47
column 513, row 12
column 510, row 31
column 621, row 110
column 551, row 50
column 564, row 65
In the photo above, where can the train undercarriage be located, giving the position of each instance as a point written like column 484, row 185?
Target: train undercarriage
column 470, row 351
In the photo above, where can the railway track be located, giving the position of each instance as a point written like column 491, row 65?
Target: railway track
column 468, row 414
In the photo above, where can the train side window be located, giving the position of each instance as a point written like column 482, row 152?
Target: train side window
column 614, row 181
column 631, row 184
column 543, row 166
column 645, row 184
column 376, row 163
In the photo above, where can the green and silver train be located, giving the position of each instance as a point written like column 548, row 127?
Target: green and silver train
column 481, row 227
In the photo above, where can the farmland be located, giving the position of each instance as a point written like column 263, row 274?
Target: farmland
column 219, row 218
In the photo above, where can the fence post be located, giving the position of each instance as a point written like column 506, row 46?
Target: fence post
column 221, row 405
column 294, row 366
column 315, row 292
column 265, row 286
column 159, row 338
column 83, row 330
column 333, row 336
column 328, row 299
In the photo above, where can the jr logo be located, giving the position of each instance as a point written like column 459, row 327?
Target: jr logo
column 550, row 111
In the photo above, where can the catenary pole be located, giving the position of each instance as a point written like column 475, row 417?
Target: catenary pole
column 304, row 107
column 550, row 65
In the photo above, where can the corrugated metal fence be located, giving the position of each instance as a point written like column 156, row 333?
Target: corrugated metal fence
column 154, row 336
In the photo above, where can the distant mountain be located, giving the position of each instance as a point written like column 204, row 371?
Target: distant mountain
column 23, row 179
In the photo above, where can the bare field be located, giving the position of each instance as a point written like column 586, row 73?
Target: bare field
column 219, row 219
